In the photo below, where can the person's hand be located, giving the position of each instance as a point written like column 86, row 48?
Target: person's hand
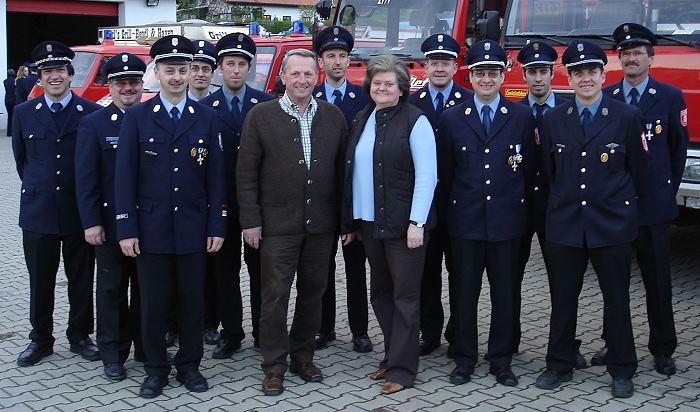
column 414, row 236
column 130, row 246
column 347, row 238
column 252, row 236
column 214, row 243
column 95, row 235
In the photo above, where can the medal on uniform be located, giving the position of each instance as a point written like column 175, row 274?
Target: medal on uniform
column 649, row 134
column 515, row 160
column 658, row 129
column 604, row 158
column 203, row 153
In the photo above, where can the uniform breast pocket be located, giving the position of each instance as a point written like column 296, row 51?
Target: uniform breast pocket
column 612, row 158
column 463, row 155
column 153, row 149
column 561, row 156
column 109, row 143
column 37, row 144
column 198, row 150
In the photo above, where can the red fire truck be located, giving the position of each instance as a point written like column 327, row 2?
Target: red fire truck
column 676, row 60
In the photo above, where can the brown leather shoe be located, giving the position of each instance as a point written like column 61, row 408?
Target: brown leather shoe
column 272, row 384
column 391, row 387
column 378, row 375
column 307, row 371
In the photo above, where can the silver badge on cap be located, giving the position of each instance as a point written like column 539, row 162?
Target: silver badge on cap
column 125, row 58
column 114, row 117
column 536, row 46
column 335, row 30
column 440, row 47
column 156, row 108
column 582, row 56
column 604, row 110
column 49, row 48
column 537, row 55
column 626, row 28
column 487, row 46
column 201, row 43
column 504, row 110
column 174, row 50
column 487, row 56
column 174, row 42
column 628, row 37
column 126, row 67
column 439, row 37
column 579, row 47
column 240, row 37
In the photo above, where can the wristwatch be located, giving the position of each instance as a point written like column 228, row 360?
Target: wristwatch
column 416, row 224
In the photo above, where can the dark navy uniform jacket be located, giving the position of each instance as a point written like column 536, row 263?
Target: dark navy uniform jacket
column 170, row 189
column 231, row 136
column 95, row 157
column 663, row 110
column 44, row 156
column 485, row 196
column 354, row 100
column 594, row 179
column 421, row 99
column 537, row 196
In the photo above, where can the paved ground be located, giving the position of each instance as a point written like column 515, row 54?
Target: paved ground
column 66, row 382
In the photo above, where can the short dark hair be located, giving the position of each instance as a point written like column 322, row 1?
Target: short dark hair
column 389, row 63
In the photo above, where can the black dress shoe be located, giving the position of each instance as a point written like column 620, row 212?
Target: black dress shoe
column 323, row 338
column 504, row 376
column 33, row 354
column 600, row 357
column 460, row 375
column 225, row 348
column 551, row 379
column 427, row 346
column 193, row 381
column 211, row 336
column 580, row 361
column 664, row 365
column 362, row 344
column 86, row 349
column 622, row 388
column 115, row 372
column 170, row 338
column 152, row 386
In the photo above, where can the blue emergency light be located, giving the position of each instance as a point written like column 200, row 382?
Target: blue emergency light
column 254, row 28
column 298, row 26
column 109, row 35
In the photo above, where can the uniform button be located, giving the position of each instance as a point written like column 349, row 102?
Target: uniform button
column 454, row 202
column 201, row 141
column 612, row 151
column 538, row 173
column 486, row 166
column 58, row 187
column 488, row 197
column 583, row 170
column 151, row 140
column 583, row 153
column 349, row 161
column 308, row 201
column 58, row 156
column 381, row 208
column 559, row 151
column 486, row 150
column 114, row 146
column 488, row 182
column 510, row 147
column 104, row 204
column 296, row 139
column 176, row 150
column 176, row 169
column 381, row 186
column 175, row 208
column 308, row 222
column 464, row 148
column 301, row 162
column 522, row 200
column 627, row 202
column 380, row 164
column 176, row 189
column 24, row 190
column 308, row 182
column 58, row 140
column 537, row 188
column 583, row 203
column 58, row 172
column 668, row 181
column 583, row 186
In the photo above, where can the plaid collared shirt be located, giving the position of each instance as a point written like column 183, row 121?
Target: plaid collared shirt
column 304, row 123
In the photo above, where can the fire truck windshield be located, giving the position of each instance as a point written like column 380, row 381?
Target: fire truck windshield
column 677, row 18
column 82, row 63
column 394, row 26
column 257, row 78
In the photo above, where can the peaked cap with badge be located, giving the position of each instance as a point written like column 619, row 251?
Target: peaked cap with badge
column 236, row 44
column 333, row 37
column 537, row 53
column 583, row 52
column 629, row 35
column 173, row 49
column 204, row 51
column 440, row 46
column 124, row 65
column 52, row 54
column 485, row 53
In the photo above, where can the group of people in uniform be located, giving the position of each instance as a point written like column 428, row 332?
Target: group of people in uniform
column 164, row 194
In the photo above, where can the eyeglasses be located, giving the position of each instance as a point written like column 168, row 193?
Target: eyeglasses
column 440, row 64
column 492, row 74
column 204, row 69
column 632, row 53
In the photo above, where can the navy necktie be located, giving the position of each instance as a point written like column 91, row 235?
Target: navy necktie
column 174, row 112
column 635, row 97
column 486, row 118
column 56, row 107
column 338, row 97
column 586, row 119
column 235, row 109
column 440, row 104
column 539, row 111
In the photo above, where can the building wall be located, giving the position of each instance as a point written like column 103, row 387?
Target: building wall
column 281, row 11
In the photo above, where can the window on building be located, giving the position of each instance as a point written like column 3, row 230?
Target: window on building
column 286, row 18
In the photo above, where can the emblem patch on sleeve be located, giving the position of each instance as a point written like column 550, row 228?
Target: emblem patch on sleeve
column 684, row 117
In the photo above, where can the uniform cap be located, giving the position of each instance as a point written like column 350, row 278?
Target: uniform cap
column 440, row 46
column 204, row 51
column 537, row 53
column 583, row 52
column 172, row 49
column 486, row 53
column 333, row 37
column 236, row 44
column 629, row 35
column 52, row 54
